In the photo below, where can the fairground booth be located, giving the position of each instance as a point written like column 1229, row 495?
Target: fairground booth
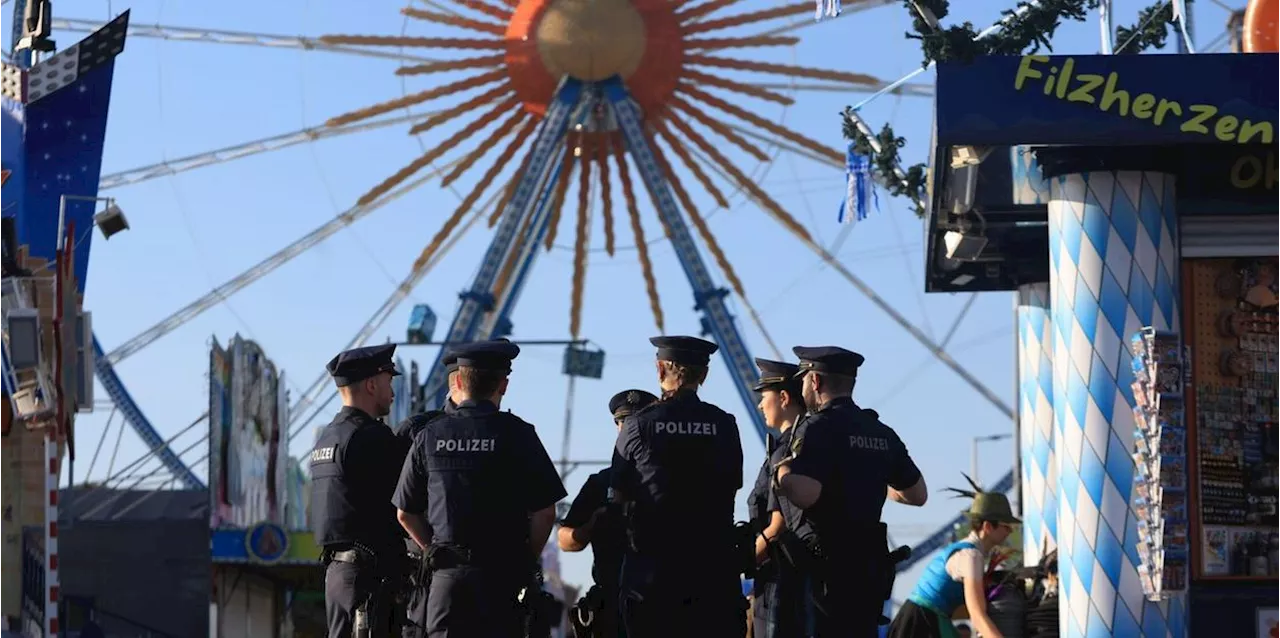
column 1130, row 201
column 267, row 579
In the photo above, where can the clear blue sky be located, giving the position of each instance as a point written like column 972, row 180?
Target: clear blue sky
column 193, row 231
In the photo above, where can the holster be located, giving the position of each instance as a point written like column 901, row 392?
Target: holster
column 891, row 568
column 793, row 552
column 438, row 557
column 541, row 609
column 745, row 548
column 586, row 614
column 373, row 618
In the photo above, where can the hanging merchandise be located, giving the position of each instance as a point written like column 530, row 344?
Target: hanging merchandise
column 1236, row 410
column 1160, row 482
column 826, row 8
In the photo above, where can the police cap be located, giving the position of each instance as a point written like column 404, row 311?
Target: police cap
column 450, row 361
column 493, row 355
column 689, row 351
column 831, row 359
column 358, row 364
column 775, row 375
column 628, row 401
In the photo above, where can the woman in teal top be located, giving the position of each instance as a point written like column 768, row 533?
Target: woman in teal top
column 954, row 576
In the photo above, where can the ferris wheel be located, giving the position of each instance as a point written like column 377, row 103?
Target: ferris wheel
column 607, row 112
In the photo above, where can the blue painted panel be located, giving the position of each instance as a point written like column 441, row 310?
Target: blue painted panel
column 64, row 141
column 12, row 157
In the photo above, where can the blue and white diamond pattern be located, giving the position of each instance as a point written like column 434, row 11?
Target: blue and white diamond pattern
column 1029, row 184
column 1114, row 269
column 1035, row 423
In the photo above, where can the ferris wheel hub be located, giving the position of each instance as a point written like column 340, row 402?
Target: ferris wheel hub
column 593, row 40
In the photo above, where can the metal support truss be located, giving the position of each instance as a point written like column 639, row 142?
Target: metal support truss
column 259, row 270
column 214, row 36
column 134, row 416
column 253, row 147
column 105, row 362
column 478, row 301
column 709, row 297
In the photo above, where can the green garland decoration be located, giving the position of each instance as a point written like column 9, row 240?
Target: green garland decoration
column 884, row 163
column 1032, row 29
column 1150, row 32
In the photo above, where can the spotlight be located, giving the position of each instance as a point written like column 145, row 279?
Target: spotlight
column 111, row 221
column 962, row 247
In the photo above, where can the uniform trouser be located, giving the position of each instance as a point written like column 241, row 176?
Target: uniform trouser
column 415, row 622
column 846, row 607
column 473, row 602
column 676, row 611
column 783, row 605
column 346, row 587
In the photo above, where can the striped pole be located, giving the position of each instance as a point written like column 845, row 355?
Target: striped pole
column 1113, row 260
column 55, row 431
column 51, row 532
column 1035, row 422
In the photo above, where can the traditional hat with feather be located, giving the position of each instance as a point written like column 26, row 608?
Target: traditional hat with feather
column 987, row 506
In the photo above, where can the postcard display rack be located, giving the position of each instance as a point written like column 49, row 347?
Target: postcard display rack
column 1160, row 483
column 1235, row 344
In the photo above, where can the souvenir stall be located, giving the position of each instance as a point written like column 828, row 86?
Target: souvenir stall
column 266, row 576
column 1131, row 204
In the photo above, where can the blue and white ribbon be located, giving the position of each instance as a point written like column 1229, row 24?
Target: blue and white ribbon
column 860, row 188
column 829, row 8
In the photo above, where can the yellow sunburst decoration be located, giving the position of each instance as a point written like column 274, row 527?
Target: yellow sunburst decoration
column 525, row 47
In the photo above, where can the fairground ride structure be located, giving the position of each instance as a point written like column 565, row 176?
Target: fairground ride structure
column 592, row 87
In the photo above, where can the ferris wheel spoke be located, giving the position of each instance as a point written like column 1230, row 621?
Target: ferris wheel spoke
column 910, row 90
column 849, row 9
column 722, row 163
column 738, row 87
column 642, row 247
column 431, row 255
column 213, row 36
column 683, row 153
column 788, row 146
column 861, row 286
column 259, row 270
column 700, row 222
column 755, row 120
column 246, row 149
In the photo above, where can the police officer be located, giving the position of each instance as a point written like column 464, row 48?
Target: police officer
column 409, row 428
column 839, row 472
column 676, row 467
column 478, row 493
column 418, row 582
column 593, row 519
column 780, row 600
column 353, row 474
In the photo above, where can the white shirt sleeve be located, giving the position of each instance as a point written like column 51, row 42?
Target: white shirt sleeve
column 965, row 564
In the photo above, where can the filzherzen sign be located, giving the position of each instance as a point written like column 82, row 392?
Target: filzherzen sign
column 1217, row 113
column 1107, row 100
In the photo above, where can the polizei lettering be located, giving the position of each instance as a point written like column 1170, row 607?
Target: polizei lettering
column 465, row 445
column 682, row 427
column 323, row 455
column 869, row 443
